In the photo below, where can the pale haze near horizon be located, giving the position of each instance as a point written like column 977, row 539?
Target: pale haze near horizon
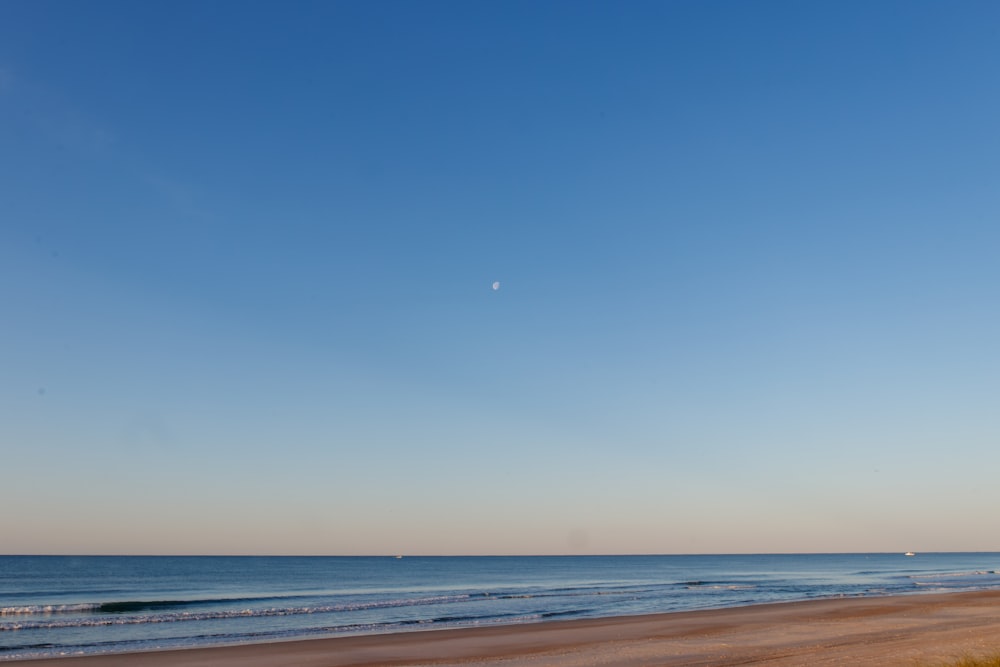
column 748, row 253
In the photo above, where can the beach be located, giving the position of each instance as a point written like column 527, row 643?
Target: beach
column 924, row 629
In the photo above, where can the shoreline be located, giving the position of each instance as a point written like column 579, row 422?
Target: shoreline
column 918, row 629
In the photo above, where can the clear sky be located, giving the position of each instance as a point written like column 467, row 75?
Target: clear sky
column 748, row 255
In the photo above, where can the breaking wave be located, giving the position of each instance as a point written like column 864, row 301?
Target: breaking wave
column 112, row 615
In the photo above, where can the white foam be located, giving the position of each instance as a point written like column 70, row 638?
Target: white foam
column 38, row 609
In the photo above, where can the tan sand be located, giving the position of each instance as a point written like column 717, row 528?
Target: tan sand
column 904, row 630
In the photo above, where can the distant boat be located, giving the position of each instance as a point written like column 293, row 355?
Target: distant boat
column 909, row 553
column 401, row 556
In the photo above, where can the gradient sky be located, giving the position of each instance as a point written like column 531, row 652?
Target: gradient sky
column 748, row 253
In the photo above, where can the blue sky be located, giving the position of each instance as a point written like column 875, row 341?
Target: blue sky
column 747, row 254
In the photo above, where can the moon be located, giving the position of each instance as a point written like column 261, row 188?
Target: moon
column 496, row 285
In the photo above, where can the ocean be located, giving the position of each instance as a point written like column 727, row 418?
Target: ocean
column 76, row 605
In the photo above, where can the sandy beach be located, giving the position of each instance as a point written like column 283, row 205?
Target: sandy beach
column 920, row 630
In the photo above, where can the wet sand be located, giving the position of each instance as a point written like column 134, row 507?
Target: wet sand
column 924, row 630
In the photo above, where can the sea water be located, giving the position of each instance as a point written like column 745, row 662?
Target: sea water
column 69, row 605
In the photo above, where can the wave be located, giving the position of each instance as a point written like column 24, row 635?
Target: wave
column 587, row 591
column 94, row 621
column 126, row 606
column 130, row 606
column 973, row 573
column 153, row 605
column 126, row 612
column 39, row 609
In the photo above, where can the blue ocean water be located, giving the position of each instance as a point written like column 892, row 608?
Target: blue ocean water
column 67, row 605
